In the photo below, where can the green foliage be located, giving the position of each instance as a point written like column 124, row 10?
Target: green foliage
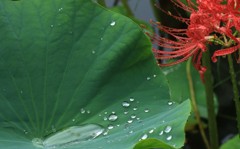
column 152, row 143
column 73, row 63
column 233, row 143
column 179, row 86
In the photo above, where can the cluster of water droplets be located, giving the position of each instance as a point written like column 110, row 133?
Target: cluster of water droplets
column 25, row 131
column 60, row 9
column 129, row 109
column 128, row 106
column 150, row 77
column 84, row 111
column 166, row 131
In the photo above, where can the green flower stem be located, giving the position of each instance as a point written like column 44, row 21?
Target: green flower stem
column 235, row 90
column 212, row 124
column 194, row 104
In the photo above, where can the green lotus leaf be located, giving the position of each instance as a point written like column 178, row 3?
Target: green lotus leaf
column 75, row 75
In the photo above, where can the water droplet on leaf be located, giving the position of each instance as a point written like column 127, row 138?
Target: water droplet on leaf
column 105, row 118
column 169, row 138
column 133, row 116
column 110, row 126
column 145, row 136
column 125, row 104
column 170, row 103
column 146, row 110
column 83, row 111
column 112, row 117
column 113, row 23
column 167, row 129
column 130, row 121
column 161, row 133
column 131, row 99
column 105, row 133
column 151, row 131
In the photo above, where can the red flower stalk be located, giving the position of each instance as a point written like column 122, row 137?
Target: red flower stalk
column 207, row 18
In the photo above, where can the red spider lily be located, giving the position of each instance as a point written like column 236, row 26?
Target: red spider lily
column 207, row 17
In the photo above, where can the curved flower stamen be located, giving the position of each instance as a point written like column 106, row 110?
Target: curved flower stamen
column 223, row 52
